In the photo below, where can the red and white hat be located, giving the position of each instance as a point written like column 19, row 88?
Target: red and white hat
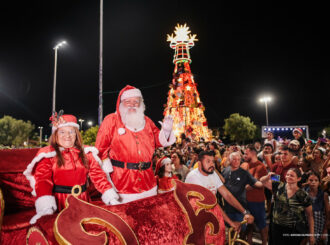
column 129, row 93
column 63, row 121
column 298, row 130
column 161, row 162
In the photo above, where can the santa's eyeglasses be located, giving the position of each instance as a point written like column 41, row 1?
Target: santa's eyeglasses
column 131, row 102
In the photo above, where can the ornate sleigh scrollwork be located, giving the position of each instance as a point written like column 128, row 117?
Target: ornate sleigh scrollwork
column 74, row 233
column 188, row 215
column 198, row 217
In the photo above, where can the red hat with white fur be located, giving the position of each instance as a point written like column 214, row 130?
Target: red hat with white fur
column 161, row 162
column 298, row 130
column 129, row 93
column 63, row 121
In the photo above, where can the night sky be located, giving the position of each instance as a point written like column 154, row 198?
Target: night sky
column 244, row 50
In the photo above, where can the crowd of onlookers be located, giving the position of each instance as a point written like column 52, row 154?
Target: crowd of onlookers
column 285, row 183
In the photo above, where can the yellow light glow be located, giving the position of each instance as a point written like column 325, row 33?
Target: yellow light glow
column 182, row 34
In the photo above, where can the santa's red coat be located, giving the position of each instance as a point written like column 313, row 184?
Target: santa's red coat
column 115, row 141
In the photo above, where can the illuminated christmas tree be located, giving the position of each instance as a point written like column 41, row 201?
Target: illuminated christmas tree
column 183, row 102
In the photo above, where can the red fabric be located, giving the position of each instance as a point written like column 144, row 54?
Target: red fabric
column 155, row 220
column 47, row 174
column 165, row 183
column 13, row 161
column 16, row 191
column 257, row 170
column 133, row 147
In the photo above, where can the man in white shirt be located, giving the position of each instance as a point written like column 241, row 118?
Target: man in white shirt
column 205, row 176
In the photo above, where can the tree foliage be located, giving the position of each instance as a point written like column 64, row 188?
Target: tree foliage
column 89, row 136
column 239, row 128
column 14, row 132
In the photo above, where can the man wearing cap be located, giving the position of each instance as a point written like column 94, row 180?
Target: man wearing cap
column 126, row 141
column 294, row 145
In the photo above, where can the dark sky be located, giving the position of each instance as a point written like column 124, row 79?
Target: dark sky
column 244, row 50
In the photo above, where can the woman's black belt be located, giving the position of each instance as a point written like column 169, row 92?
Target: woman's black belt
column 68, row 189
column 129, row 165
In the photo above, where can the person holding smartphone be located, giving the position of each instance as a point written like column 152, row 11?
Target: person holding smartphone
column 292, row 207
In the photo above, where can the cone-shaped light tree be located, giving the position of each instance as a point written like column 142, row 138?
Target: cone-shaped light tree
column 183, row 102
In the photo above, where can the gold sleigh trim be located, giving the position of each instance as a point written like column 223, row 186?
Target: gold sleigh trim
column 93, row 220
column 35, row 229
column 200, row 205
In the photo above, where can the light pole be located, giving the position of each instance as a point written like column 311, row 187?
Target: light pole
column 60, row 44
column 81, row 121
column 266, row 99
column 90, row 123
column 40, row 140
column 100, row 111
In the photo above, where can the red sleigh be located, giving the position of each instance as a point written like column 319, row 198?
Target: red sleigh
column 187, row 215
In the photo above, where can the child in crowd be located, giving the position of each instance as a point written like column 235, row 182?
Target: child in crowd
column 164, row 175
column 320, row 207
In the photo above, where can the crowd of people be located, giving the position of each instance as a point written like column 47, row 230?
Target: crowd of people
column 285, row 186
column 286, row 182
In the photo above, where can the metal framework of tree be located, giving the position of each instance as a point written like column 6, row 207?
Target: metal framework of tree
column 183, row 101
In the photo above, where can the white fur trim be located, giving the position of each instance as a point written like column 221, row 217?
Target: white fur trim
column 164, row 191
column 29, row 168
column 125, row 198
column 72, row 124
column 45, row 205
column 165, row 160
column 131, row 93
column 121, row 131
column 45, row 202
column 138, row 129
column 105, row 165
column 109, row 196
column 163, row 139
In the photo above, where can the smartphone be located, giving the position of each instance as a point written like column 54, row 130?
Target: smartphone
column 275, row 177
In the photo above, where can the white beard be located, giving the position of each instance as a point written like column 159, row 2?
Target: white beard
column 132, row 120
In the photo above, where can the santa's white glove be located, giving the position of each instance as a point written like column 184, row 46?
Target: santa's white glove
column 45, row 205
column 110, row 197
column 167, row 126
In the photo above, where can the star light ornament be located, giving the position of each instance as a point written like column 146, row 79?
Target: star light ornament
column 181, row 41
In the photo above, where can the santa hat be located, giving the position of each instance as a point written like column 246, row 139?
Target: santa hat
column 63, row 121
column 161, row 162
column 298, row 130
column 133, row 92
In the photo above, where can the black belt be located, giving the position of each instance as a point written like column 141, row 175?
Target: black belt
column 129, row 165
column 68, row 189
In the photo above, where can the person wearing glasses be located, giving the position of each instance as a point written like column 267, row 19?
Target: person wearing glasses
column 127, row 140
column 65, row 163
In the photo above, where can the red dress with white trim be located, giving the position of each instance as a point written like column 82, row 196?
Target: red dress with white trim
column 47, row 175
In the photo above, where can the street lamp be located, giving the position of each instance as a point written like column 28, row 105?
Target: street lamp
column 60, row 44
column 81, row 121
column 40, row 139
column 90, row 123
column 266, row 99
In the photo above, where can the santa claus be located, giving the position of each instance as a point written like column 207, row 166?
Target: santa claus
column 126, row 141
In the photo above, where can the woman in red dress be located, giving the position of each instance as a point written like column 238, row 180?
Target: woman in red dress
column 63, row 164
column 164, row 175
